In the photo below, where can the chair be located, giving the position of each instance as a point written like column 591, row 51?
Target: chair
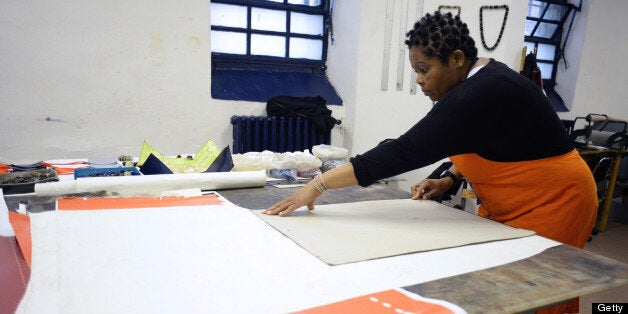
column 568, row 124
column 598, row 130
column 622, row 179
column 620, row 213
column 600, row 173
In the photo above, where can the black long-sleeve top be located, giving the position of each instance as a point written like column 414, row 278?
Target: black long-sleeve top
column 496, row 113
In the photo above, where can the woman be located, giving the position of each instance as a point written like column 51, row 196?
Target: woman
column 497, row 128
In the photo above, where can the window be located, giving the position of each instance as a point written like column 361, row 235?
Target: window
column 269, row 45
column 544, row 34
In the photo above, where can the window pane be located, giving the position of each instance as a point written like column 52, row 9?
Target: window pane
column 546, row 70
column 306, row 24
column 555, row 12
column 311, row 3
column 535, row 8
column 268, row 20
column 546, row 52
column 545, row 30
column 265, row 45
column 228, row 15
column 280, row 1
column 228, row 42
column 529, row 27
column 306, row 48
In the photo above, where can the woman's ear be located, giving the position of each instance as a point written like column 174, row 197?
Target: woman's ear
column 457, row 58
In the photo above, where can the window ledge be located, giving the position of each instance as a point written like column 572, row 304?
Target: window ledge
column 261, row 85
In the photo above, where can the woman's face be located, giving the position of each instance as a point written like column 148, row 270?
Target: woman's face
column 434, row 77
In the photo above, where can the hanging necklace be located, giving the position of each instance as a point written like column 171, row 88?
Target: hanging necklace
column 501, row 31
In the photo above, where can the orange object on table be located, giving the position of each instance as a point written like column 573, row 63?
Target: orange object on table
column 61, row 171
column 21, row 224
column 4, row 168
column 95, row 203
column 388, row 301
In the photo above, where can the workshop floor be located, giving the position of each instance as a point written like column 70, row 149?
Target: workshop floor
column 612, row 243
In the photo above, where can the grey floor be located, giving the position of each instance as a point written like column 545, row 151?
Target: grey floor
column 612, row 243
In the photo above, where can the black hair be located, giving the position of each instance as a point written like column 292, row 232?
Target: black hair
column 440, row 34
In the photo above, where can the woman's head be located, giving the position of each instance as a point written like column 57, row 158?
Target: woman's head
column 441, row 52
column 439, row 35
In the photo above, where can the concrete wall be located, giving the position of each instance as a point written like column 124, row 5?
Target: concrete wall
column 96, row 78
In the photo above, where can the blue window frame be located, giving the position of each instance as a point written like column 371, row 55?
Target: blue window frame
column 544, row 34
column 265, row 48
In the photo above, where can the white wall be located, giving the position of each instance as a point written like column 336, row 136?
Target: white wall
column 342, row 65
column 569, row 67
column 602, row 67
column 96, row 78
column 92, row 78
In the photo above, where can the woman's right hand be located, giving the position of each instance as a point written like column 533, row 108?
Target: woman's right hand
column 333, row 179
column 304, row 196
column 429, row 188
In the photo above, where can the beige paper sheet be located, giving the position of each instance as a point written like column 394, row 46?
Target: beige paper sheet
column 352, row 232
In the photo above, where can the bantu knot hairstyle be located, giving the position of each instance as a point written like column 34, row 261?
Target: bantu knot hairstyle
column 440, row 34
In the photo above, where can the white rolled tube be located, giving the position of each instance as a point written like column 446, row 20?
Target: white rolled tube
column 155, row 184
column 55, row 188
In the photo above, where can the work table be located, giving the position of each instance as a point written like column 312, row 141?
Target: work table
column 553, row 276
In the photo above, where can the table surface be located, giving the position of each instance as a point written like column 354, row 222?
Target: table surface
column 556, row 275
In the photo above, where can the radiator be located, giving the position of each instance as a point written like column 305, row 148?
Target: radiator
column 277, row 134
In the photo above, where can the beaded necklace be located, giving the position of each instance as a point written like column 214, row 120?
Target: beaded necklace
column 501, row 31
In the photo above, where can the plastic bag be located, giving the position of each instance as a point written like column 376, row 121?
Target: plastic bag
column 332, row 163
column 288, row 174
column 325, row 152
column 303, row 163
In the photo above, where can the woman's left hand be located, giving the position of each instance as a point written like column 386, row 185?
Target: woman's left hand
column 429, row 188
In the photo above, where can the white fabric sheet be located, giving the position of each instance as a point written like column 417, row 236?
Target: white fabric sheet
column 353, row 232
column 213, row 259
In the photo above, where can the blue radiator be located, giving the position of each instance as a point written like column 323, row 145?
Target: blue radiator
column 277, row 134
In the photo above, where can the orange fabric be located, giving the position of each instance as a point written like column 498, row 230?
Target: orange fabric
column 555, row 197
column 61, row 171
column 51, row 165
column 571, row 307
column 90, row 203
column 4, row 168
column 388, row 301
column 21, row 224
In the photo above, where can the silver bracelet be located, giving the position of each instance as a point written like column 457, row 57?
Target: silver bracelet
column 318, row 186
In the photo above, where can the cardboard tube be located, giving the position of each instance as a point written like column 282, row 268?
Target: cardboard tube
column 155, row 184
column 55, row 188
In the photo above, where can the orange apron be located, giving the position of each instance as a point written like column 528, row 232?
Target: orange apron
column 555, row 197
